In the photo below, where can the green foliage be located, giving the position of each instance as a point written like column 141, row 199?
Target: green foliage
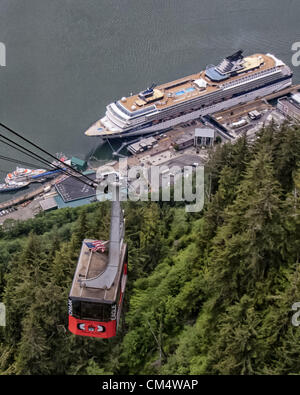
column 208, row 293
column 93, row 369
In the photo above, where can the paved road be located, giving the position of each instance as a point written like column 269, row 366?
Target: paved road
column 23, row 213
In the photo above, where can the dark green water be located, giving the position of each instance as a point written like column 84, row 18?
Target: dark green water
column 67, row 59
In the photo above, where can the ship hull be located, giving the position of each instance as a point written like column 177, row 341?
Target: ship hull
column 13, row 189
column 241, row 99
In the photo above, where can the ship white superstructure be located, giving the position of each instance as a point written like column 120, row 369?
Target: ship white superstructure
column 21, row 174
column 234, row 81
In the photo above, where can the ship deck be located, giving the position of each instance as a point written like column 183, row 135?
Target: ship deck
column 186, row 85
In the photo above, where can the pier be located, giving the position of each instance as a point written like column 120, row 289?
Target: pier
column 27, row 196
column 172, row 134
column 126, row 143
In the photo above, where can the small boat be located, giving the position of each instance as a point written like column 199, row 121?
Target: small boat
column 13, row 186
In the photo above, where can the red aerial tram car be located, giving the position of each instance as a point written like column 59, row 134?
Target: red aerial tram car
column 97, row 292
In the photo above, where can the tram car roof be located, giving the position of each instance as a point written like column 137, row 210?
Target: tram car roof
column 92, row 265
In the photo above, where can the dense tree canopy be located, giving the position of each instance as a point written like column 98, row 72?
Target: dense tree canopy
column 208, row 293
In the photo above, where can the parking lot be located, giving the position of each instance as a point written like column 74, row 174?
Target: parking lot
column 8, row 211
column 22, row 212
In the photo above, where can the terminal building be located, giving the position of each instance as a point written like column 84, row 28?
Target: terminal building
column 204, row 137
column 142, row 145
column 78, row 164
column 72, row 192
column 185, row 141
column 290, row 106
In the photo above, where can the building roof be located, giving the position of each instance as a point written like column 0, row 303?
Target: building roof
column 78, row 162
column 144, row 143
column 184, row 160
column 72, row 188
column 48, row 204
column 204, row 132
column 90, row 265
column 73, row 203
column 296, row 97
column 185, row 138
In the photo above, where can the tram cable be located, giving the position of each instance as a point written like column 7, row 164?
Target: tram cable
column 38, row 157
column 24, row 152
column 102, row 320
column 45, row 152
column 14, row 160
column 46, row 161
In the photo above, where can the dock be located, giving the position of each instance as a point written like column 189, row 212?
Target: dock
column 161, row 147
column 27, row 196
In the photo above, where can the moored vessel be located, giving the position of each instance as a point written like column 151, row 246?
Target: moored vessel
column 13, row 186
column 235, row 80
column 21, row 174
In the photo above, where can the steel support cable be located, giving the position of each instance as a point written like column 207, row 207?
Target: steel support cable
column 49, row 163
column 45, row 152
column 14, row 160
column 39, row 159
column 25, row 153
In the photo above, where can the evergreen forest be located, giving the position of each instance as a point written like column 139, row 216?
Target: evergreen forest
column 207, row 293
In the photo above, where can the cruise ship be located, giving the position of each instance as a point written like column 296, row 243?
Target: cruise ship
column 235, row 80
column 21, row 174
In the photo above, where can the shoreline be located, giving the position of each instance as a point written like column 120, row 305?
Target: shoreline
column 27, row 196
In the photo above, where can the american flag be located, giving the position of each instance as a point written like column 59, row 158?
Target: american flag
column 96, row 245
